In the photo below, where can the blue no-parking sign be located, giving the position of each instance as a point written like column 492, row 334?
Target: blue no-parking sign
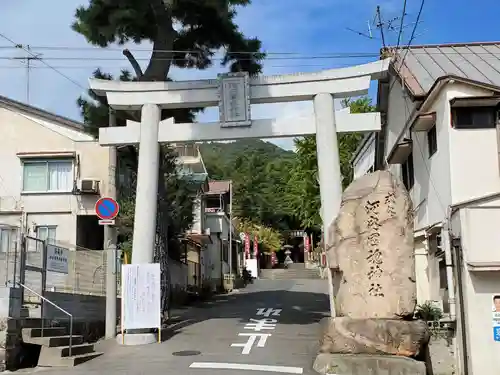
column 107, row 208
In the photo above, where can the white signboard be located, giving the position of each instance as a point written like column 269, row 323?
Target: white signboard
column 234, row 99
column 141, row 296
column 252, row 267
column 57, row 259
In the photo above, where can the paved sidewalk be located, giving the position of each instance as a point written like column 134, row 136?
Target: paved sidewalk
column 214, row 335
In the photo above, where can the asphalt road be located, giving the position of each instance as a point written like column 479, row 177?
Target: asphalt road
column 282, row 337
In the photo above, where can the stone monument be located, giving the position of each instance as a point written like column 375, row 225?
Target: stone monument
column 370, row 253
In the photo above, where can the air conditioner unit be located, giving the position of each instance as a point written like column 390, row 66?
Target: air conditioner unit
column 88, row 186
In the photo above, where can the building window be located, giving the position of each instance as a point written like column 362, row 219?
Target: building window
column 48, row 176
column 474, row 117
column 46, row 233
column 407, row 172
column 432, row 141
column 8, row 237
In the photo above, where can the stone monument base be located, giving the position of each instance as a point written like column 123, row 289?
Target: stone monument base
column 344, row 335
column 362, row 364
column 132, row 339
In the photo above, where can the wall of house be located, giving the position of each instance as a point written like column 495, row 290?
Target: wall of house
column 477, row 228
column 214, row 265
column 23, row 134
column 431, row 193
column 421, row 270
column 399, row 109
column 199, row 224
column 365, row 159
column 474, row 154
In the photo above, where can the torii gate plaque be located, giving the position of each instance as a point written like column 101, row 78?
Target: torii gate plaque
column 234, row 93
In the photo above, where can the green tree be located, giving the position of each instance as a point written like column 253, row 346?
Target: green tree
column 302, row 196
column 259, row 173
column 202, row 27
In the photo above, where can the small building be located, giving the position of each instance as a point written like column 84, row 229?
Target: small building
column 222, row 231
column 441, row 136
column 197, row 238
column 51, row 174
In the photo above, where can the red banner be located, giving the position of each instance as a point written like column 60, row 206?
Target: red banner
column 323, row 259
column 306, row 244
column 255, row 246
column 274, row 260
column 247, row 245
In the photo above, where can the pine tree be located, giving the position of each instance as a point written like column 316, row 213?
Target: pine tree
column 184, row 34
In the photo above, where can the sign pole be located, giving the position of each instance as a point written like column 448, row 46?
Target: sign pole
column 107, row 209
column 122, row 313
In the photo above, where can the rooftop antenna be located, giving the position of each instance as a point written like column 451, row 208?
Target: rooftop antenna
column 380, row 25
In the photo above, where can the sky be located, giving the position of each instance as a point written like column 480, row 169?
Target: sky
column 299, row 36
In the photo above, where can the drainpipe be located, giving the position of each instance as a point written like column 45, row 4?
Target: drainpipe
column 445, row 243
column 457, row 266
column 498, row 136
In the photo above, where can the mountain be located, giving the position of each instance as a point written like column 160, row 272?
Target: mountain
column 259, row 171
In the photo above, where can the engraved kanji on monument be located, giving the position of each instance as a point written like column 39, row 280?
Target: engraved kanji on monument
column 371, row 249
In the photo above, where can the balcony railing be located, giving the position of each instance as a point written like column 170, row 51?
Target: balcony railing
column 187, row 150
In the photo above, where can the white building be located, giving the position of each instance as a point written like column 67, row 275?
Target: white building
column 217, row 216
column 51, row 174
column 441, row 135
column 197, row 239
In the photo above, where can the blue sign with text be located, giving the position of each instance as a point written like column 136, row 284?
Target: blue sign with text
column 496, row 333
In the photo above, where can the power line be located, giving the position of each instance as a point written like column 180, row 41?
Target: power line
column 115, row 67
column 42, row 61
column 79, row 58
column 412, row 37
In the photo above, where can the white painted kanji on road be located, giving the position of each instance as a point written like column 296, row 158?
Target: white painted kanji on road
column 257, row 325
column 261, row 324
column 268, row 312
column 252, row 337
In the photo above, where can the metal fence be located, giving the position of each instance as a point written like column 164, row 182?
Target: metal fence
column 86, row 268
column 9, row 253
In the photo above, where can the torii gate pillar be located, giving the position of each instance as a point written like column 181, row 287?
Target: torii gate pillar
column 144, row 235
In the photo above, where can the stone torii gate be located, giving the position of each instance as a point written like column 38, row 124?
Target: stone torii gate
column 234, row 93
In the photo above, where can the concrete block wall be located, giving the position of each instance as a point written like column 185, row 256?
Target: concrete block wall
column 443, row 352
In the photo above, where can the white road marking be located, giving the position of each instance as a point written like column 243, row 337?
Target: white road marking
column 261, row 324
column 269, row 311
column 243, row 366
column 252, row 337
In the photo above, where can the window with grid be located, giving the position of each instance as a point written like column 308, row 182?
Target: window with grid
column 8, row 238
column 432, row 141
column 46, row 233
column 407, row 172
column 474, row 117
column 48, row 176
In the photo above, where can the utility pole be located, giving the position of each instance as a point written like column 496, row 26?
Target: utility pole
column 27, row 60
column 110, row 239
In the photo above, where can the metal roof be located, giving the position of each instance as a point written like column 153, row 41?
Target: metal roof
column 423, row 65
